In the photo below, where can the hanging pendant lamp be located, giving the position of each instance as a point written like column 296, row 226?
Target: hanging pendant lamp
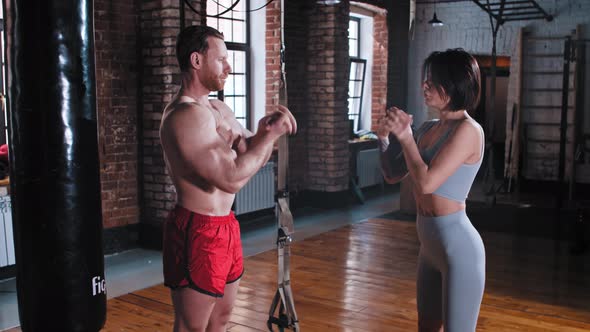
column 435, row 22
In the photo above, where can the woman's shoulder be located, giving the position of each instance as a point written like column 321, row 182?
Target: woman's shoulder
column 470, row 124
column 469, row 129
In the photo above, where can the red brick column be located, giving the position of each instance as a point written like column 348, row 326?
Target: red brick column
column 327, row 71
column 116, row 83
column 273, row 48
column 160, row 24
column 379, row 94
column 398, row 22
column 296, row 40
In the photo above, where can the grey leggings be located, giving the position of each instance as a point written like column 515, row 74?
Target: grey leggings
column 451, row 271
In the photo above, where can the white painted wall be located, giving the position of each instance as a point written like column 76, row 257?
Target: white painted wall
column 467, row 26
column 257, row 64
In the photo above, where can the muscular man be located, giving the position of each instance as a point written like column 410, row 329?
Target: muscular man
column 209, row 157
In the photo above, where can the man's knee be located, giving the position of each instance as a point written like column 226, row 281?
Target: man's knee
column 221, row 317
column 190, row 325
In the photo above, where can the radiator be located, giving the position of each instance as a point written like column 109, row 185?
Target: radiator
column 368, row 169
column 6, row 240
column 258, row 193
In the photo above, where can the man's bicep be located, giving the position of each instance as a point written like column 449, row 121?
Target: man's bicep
column 207, row 155
column 202, row 150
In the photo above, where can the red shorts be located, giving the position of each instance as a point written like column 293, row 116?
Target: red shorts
column 201, row 252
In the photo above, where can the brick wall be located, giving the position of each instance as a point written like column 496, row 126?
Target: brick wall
column 160, row 24
column 380, row 53
column 398, row 21
column 116, row 84
column 327, row 71
column 296, row 34
column 317, row 73
column 273, row 48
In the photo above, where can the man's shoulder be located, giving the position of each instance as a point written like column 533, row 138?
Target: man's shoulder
column 186, row 116
column 186, row 111
column 220, row 106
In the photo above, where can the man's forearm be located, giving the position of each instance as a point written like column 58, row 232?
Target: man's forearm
column 257, row 154
column 262, row 144
column 234, row 175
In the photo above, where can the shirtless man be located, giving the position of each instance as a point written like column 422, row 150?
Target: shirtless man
column 209, row 157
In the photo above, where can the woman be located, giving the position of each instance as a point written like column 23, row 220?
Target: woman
column 442, row 159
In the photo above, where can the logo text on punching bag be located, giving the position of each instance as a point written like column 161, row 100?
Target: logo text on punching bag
column 98, row 286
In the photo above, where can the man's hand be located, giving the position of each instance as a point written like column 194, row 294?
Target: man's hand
column 240, row 145
column 278, row 123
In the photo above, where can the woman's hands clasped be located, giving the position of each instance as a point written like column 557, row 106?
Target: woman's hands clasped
column 396, row 122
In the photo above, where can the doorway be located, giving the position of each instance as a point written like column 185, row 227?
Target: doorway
column 484, row 112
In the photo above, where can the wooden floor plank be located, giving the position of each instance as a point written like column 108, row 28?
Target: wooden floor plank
column 362, row 278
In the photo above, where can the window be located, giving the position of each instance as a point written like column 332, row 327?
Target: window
column 355, row 90
column 356, row 80
column 234, row 26
column 354, row 36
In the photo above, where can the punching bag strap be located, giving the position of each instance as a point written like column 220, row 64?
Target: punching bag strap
column 283, row 304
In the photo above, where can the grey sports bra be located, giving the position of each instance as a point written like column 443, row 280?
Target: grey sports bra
column 458, row 185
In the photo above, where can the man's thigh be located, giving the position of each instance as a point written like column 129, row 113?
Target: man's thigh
column 192, row 309
column 225, row 304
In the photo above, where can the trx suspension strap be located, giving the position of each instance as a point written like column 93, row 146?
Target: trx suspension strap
column 282, row 310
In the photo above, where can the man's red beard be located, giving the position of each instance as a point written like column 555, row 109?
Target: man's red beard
column 214, row 83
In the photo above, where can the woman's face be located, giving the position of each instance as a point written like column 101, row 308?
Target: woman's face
column 432, row 97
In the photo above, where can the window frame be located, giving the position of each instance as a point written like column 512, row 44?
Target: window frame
column 359, row 97
column 358, row 37
column 238, row 47
column 356, row 59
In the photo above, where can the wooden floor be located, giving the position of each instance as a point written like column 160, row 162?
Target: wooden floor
column 362, row 278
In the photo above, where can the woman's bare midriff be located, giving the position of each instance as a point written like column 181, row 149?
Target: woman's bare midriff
column 431, row 205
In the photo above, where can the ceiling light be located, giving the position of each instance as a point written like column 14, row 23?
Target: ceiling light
column 435, row 22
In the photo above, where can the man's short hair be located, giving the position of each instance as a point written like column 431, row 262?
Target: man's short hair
column 193, row 39
column 456, row 74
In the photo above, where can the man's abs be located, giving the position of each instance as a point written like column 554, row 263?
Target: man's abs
column 213, row 202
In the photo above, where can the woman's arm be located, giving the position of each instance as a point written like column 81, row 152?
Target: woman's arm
column 393, row 164
column 456, row 151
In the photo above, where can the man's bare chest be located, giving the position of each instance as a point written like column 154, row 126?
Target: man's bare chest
column 229, row 131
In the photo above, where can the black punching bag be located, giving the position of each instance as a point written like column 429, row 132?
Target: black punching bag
column 54, row 166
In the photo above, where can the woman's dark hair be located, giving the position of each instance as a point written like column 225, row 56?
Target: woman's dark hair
column 454, row 73
column 193, row 39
